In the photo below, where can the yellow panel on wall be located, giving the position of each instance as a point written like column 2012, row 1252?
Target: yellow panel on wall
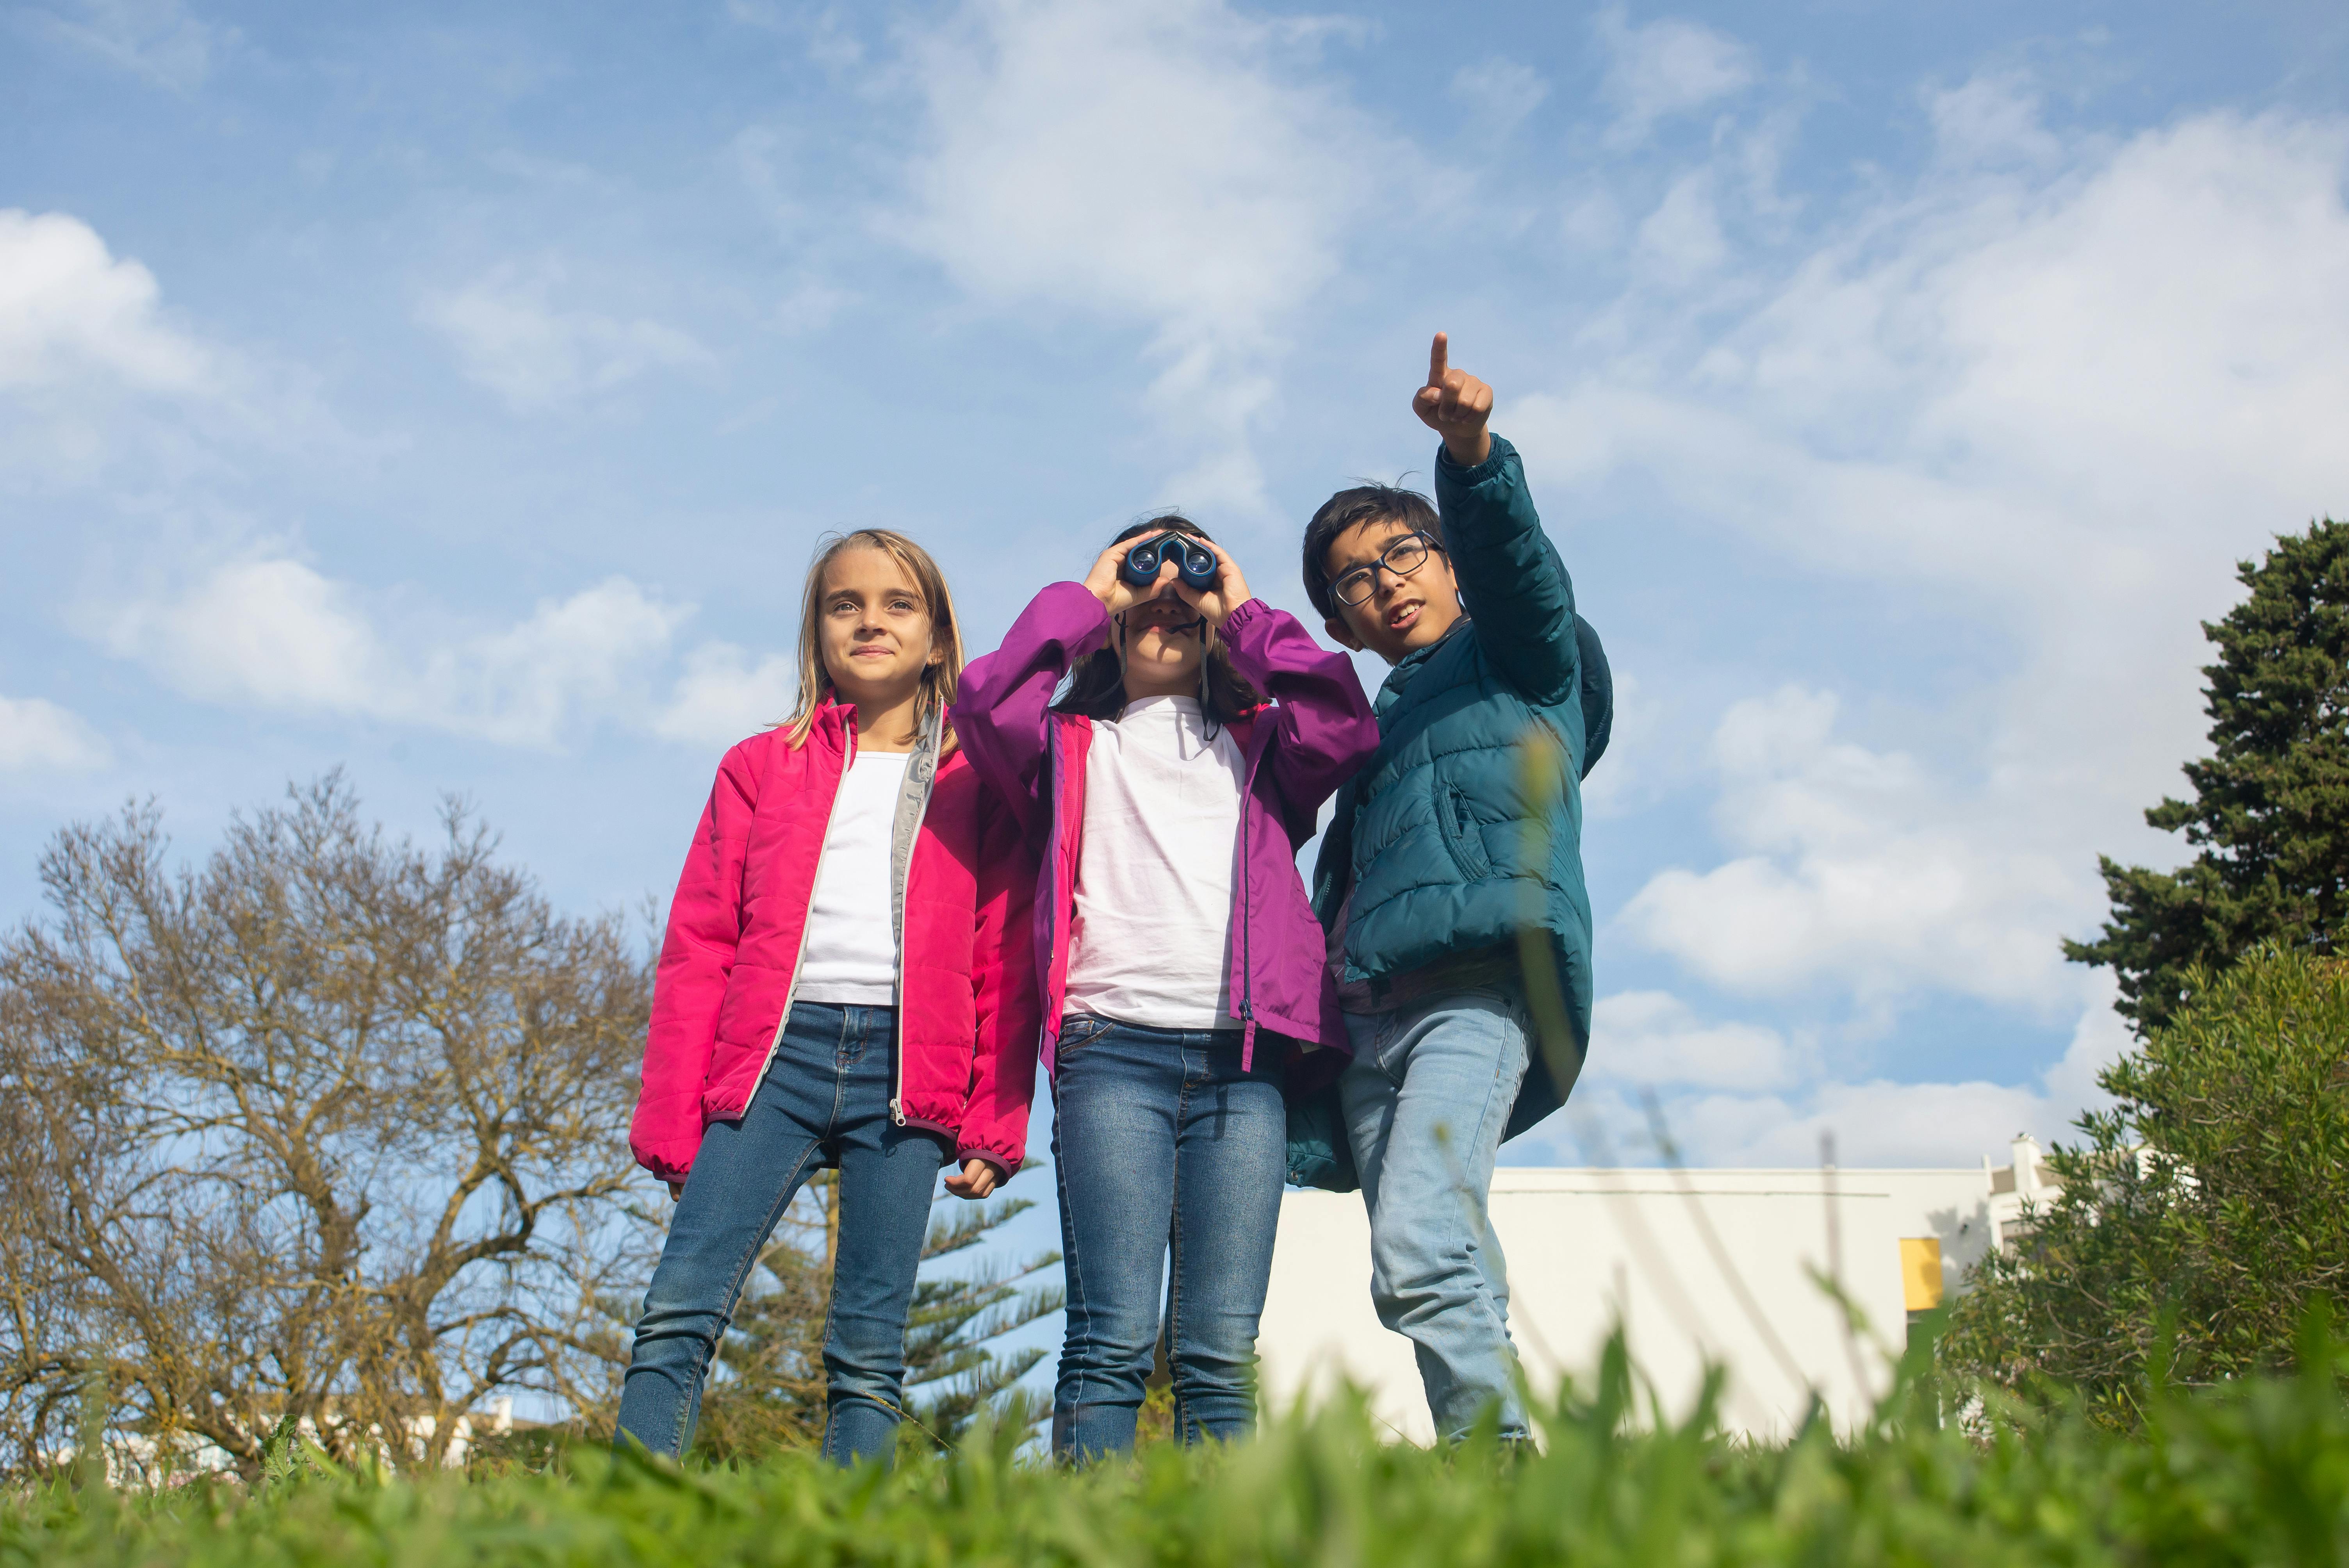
column 1920, row 1271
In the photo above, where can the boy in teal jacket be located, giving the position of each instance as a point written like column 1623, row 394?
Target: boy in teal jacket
column 1450, row 879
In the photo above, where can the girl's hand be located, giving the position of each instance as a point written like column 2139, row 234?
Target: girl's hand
column 976, row 1179
column 676, row 1191
column 1116, row 594
column 1226, row 595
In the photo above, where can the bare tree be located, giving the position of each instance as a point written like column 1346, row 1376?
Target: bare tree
column 331, row 1130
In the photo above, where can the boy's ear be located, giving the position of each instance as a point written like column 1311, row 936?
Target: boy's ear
column 1343, row 633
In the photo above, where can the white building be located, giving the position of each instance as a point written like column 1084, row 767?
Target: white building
column 1698, row 1265
column 133, row 1458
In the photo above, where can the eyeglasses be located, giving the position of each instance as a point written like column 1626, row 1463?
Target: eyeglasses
column 1403, row 557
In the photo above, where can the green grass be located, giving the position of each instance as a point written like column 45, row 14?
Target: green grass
column 2257, row 1472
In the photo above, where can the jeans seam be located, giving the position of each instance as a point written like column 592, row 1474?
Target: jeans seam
column 840, row 1068
column 1072, row 1271
column 1173, row 1333
column 1492, row 1092
column 790, row 1190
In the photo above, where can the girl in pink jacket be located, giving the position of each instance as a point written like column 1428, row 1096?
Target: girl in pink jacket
column 847, row 981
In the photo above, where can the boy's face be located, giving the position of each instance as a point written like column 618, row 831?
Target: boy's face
column 1402, row 614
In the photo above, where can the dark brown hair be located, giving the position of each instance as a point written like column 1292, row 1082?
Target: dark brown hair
column 1349, row 508
column 1097, row 684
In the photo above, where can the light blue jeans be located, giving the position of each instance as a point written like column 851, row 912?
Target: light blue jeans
column 1426, row 1097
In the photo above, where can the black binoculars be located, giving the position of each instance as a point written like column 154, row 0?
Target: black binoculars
column 1194, row 561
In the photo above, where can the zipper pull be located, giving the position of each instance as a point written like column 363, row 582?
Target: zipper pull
column 1247, row 1035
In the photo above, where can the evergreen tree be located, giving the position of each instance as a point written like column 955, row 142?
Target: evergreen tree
column 2269, row 816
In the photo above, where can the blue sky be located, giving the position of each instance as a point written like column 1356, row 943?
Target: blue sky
column 456, row 399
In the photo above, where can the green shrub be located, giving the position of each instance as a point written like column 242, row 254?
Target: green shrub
column 2257, row 1472
column 2206, row 1213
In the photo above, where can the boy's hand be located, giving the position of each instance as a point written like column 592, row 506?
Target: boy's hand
column 1454, row 405
column 1220, row 598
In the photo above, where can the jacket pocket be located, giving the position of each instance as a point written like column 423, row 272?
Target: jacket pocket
column 1460, row 834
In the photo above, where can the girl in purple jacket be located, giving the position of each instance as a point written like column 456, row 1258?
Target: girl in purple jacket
column 1167, row 790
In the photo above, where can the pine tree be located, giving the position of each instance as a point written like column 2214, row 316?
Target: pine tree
column 959, row 1316
column 2269, row 816
column 768, row 1390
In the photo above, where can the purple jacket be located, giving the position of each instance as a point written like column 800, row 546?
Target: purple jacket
column 1317, row 729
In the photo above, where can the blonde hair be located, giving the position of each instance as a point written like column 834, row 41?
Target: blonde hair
column 939, row 677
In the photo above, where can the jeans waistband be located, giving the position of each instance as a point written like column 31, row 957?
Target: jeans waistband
column 1231, row 1037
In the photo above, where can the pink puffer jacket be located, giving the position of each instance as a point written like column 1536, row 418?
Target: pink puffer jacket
column 967, row 1015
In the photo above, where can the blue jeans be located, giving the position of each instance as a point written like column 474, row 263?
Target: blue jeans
column 1159, row 1142
column 823, row 1102
column 1426, row 1097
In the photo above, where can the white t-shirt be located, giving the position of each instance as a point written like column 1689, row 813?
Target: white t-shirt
column 1150, row 939
column 851, row 954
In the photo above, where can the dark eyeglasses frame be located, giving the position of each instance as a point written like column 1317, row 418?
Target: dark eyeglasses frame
column 1369, row 573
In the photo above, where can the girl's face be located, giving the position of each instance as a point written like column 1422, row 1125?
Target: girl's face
column 877, row 630
column 1161, row 647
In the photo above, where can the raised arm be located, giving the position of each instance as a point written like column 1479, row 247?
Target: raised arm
column 1323, row 728
column 1515, row 586
column 1002, row 707
column 705, row 922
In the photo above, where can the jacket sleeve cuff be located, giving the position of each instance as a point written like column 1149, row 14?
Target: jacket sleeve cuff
column 1004, row 1170
column 1467, row 478
column 671, row 1163
column 1245, row 633
column 1077, row 602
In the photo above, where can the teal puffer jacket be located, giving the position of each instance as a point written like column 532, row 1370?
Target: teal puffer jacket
column 1464, row 828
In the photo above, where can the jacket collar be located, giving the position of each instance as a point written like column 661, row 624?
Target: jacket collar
column 1391, row 689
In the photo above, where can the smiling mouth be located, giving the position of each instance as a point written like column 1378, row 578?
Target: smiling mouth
column 1401, row 617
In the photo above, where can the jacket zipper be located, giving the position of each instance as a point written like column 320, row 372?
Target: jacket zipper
column 1247, row 954
column 932, row 743
column 806, row 913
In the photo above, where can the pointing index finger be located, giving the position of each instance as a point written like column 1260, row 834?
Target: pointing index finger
column 1438, row 359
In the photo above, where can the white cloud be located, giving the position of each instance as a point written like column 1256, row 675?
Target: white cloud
column 509, row 337
column 1713, row 1120
column 1500, row 92
column 275, row 632
column 2059, row 400
column 1680, row 241
column 161, row 40
column 34, row 734
column 1664, row 68
column 1990, row 120
column 70, row 311
column 723, row 696
column 100, row 383
column 1654, row 1038
column 1171, row 163
column 1856, row 869
column 1879, row 1122
column 829, row 37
